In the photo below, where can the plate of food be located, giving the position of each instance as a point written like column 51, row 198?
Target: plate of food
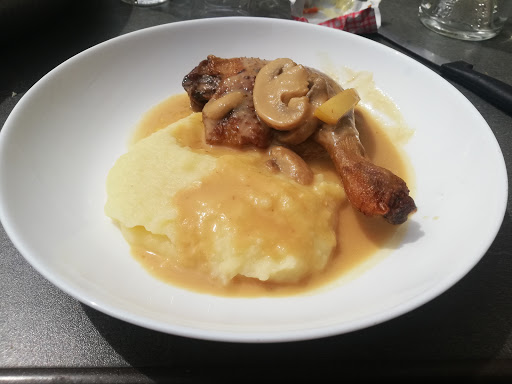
column 223, row 179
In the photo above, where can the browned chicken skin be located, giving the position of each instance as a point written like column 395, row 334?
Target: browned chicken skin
column 373, row 190
column 226, row 85
column 225, row 91
column 202, row 82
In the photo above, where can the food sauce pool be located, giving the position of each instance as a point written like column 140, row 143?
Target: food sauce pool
column 363, row 241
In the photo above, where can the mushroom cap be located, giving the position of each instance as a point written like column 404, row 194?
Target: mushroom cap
column 280, row 94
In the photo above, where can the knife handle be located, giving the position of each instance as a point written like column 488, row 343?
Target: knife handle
column 492, row 90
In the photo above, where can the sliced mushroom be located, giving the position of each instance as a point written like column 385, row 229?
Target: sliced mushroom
column 218, row 108
column 321, row 89
column 280, row 93
column 291, row 164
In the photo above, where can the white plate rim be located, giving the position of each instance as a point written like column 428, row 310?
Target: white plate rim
column 302, row 334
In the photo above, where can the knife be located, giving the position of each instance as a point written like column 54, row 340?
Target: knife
column 490, row 89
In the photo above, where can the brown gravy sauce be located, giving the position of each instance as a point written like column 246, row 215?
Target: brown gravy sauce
column 362, row 240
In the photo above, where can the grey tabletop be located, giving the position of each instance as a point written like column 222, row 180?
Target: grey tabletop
column 47, row 335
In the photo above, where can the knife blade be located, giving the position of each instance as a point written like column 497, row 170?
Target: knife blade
column 489, row 88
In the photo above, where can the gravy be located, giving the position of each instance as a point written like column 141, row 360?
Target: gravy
column 362, row 241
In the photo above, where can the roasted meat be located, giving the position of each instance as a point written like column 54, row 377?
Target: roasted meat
column 202, row 82
column 222, row 89
column 248, row 101
column 373, row 190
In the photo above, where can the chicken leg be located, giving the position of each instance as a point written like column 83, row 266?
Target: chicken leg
column 373, row 190
column 223, row 90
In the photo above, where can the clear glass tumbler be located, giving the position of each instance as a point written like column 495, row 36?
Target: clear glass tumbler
column 465, row 19
column 144, row 2
column 219, row 8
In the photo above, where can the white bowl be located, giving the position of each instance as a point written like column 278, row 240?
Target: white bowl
column 62, row 138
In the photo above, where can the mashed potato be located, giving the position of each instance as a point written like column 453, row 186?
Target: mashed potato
column 221, row 212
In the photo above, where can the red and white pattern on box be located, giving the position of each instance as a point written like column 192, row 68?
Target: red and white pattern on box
column 360, row 22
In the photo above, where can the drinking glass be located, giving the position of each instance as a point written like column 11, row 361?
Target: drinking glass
column 217, row 8
column 144, row 2
column 465, row 19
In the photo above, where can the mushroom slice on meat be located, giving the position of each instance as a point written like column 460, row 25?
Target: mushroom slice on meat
column 280, row 94
column 223, row 90
column 320, row 90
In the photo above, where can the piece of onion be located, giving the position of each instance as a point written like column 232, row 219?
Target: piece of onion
column 334, row 108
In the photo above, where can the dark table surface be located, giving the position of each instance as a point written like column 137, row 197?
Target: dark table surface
column 47, row 335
